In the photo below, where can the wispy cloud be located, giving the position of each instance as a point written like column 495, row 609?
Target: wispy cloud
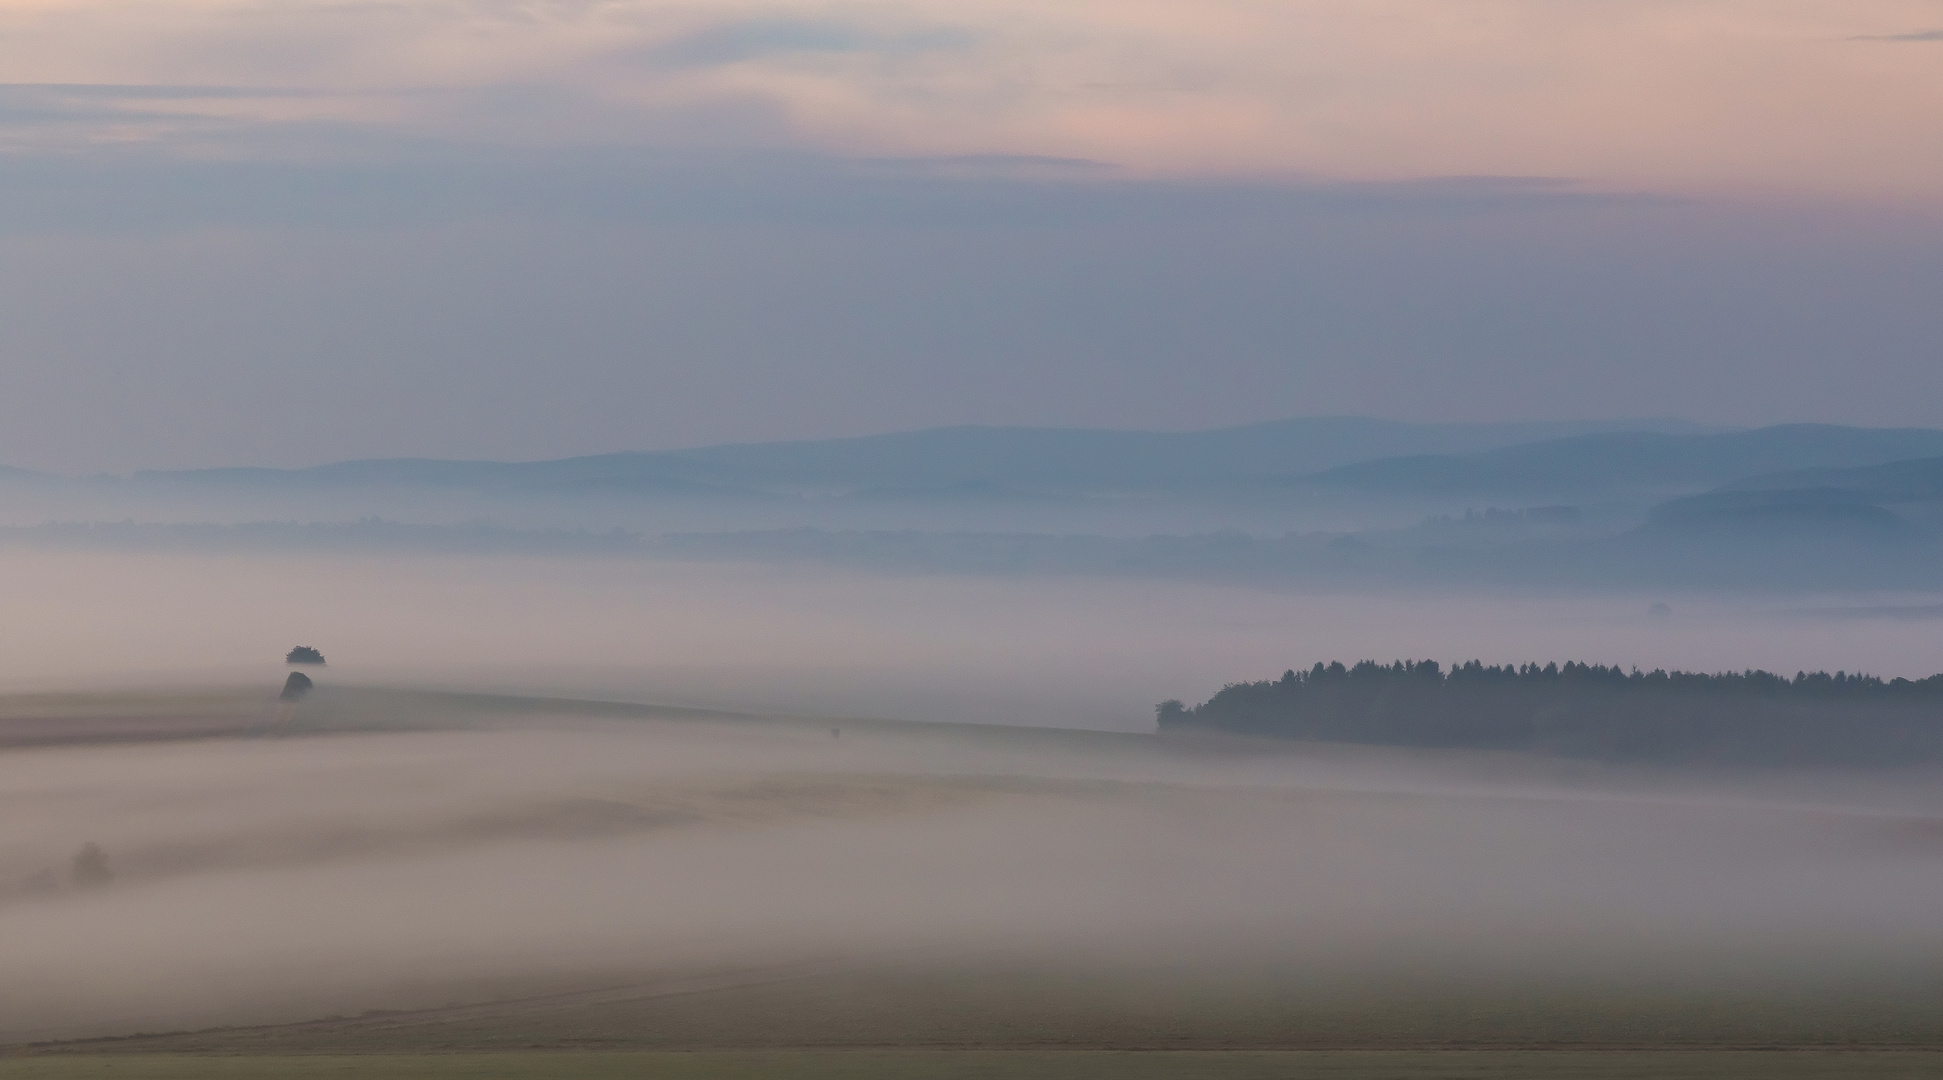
column 138, row 92
column 1231, row 91
column 40, row 102
column 370, row 181
column 760, row 38
column 1913, row 35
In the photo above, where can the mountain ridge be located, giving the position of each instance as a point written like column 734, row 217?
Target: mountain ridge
column 1639, row 460
column 1009, row 456
column 1909, row 480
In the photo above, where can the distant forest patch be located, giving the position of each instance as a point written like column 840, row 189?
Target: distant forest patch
column 1587, row 710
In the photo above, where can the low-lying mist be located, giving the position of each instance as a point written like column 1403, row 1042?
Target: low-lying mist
column 292, row 875
column 255, row 863
column 1052, row 651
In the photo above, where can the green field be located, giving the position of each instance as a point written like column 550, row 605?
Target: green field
column 1025, row 1065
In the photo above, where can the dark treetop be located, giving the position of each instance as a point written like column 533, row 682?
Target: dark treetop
column 1585, row 710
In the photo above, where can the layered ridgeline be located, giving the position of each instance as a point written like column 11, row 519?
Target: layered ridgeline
column 1585, row 710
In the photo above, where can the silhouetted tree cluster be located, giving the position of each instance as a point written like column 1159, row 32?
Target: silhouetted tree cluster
column 1586, row 710
column 303, row 654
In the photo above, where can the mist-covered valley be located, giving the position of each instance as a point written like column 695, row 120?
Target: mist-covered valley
column 572, row 540
column 603, row 766
column 431, row 870
column 1323, row 503
column 1057, row 651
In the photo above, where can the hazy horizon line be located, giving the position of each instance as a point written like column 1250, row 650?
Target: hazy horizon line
column 1617, row 423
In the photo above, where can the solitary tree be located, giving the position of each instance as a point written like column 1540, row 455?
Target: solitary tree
column 303, row 654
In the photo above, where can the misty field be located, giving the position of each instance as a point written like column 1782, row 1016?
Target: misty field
column 447, row 884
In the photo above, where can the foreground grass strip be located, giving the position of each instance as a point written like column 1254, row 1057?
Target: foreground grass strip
column 1022, row 1065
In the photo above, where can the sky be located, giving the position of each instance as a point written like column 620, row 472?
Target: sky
column 243, row 232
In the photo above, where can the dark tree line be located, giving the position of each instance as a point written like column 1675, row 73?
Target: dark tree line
column 1587, row 710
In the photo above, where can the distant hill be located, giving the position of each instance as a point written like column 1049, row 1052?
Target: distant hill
column 633, row 472
column 1918, row 480
column 1788, row 512
column 939, row 461
column 1636, row 460
column 1070, row 457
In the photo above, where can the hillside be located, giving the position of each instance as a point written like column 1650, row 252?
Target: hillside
column 1030, row 458
column 1916, row 480
column 1636, row 461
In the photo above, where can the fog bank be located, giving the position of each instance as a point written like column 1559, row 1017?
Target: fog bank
column 1073, row 652
column 287, row 877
